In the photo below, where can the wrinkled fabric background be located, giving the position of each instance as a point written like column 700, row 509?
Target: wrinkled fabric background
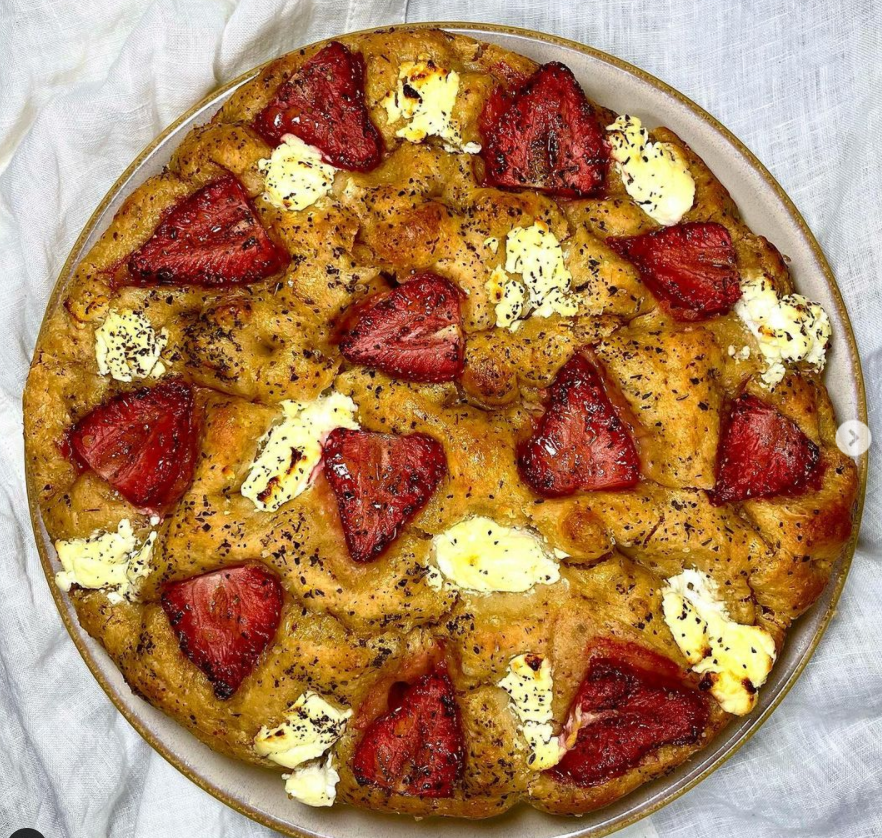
column 84, row 85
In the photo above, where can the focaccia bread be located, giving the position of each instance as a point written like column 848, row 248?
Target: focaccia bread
column 438, row 437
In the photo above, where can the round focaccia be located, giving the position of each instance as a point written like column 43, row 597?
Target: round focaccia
column 438, row 437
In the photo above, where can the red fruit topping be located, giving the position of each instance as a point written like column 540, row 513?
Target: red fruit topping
column 323, row 104
column 210, row 238
column 545, row 135
column 762, row 453
column 417, row 747
column 380, row 481
column 143, row 443
column 690, row 267
column 412, row 332
column 631, row 702
column 224, row 620
column 580, row 443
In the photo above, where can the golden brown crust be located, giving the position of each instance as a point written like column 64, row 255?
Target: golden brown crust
column 347, row 628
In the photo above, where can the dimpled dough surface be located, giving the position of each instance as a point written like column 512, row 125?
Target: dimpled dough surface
column 347, row 629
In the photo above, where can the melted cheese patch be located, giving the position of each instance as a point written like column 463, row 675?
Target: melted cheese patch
column 543, row 289
column 425, row 98
column 790, row 329
column 530, row 685
column 113, row 560
column 314, row 783
column 127, row 347
column 294, row 175
column 735, row 658
column 656, row 175
column 481, row 556
column 311, row 726
column 291, row 449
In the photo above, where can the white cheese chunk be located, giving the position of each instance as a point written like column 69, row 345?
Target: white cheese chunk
column 543, row 289
column 113, row 560
column 481, row 556
column 127, row 347
column 294, row 175
column 425, row 98
column 530, row 685
column 735, row 658
column 292, row 449
column 656, row 175
column 791, row 329
column 313, row 783
column 311, row 726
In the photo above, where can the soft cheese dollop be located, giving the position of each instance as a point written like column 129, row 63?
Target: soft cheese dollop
column 736, row 658
column 127, row 347
column 314, row 783
column 790, row 329
column 425, row 98
column 113, row 560
column 656, row 175
column 530, row 685
column 543, row 289
column 481, row 556
column 290, row 450
column 294, row 175
column 311, row 726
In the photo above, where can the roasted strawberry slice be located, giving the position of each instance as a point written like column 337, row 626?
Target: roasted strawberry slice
column 212, row 237
column 224, row 620
column 143, row 443
column 416, row 748
column 380, row 481
column 545, row 135
column 762, row 453
column 323, row 104
column 630, row 703
column 580, row 443
column 412, row 332
column 690, row 267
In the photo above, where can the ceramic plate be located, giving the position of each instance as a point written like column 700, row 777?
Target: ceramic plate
column 768, row 211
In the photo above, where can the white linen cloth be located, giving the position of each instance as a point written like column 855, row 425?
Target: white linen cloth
column 84, row 85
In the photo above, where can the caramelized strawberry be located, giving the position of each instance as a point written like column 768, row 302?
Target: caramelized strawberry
column 412, row 332
column 416, row 748
column 545, row 135
column 380, row 481
column 210, row 238
column 762, row 453
column 630, row 703
column 323, row 104
column 690, row 267
column 143, row 443
column 580, row 443
column 224, row 620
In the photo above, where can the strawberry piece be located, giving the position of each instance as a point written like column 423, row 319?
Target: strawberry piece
column 762, row 453
column 417, row 748
column 631, row 702
column 380, row 481
column 323, row 104
column 212, row 237
column 224, row 620
column 545, row 135
column 691, row 267
column 143, row 443
column 413, row 332
column 580, row 443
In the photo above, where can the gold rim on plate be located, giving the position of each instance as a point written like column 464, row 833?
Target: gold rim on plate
column 74, row 630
